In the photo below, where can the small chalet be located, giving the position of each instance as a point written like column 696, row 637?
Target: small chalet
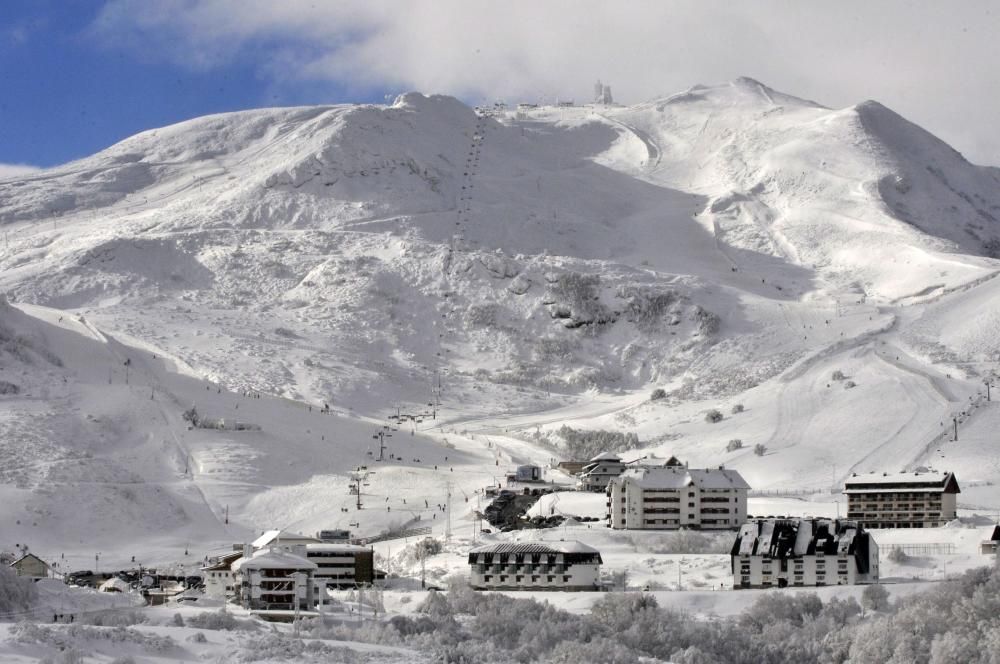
column 991, row 545
column 31, row 566
column 599, row 471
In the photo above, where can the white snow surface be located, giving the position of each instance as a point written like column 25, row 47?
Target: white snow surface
column 731, row 245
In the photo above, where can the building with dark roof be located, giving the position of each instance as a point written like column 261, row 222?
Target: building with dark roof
column 920, row 499
column 563, row 565
column 803, row 552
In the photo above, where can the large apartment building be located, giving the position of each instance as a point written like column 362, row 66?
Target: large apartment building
column 675, row 497
column 924, row 499
column 803, row 552
column 568, row 565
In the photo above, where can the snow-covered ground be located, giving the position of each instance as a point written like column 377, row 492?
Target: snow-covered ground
column 497, row 278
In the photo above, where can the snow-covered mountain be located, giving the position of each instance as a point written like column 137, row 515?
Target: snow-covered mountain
column 729, row 244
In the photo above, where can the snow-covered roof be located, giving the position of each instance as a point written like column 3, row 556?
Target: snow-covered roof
column 793, row 538
column 679, row 477
column 270, row 536
column 606, row 456
column 114, row 585
column 273, row 559
column 29, row 555
column 572, row 546
column 897, row 482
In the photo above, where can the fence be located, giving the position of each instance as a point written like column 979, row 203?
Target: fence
column 398, row 534
column 931, row 548
column 761, row 493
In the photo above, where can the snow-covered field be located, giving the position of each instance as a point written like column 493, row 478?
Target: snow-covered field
column 309, row 272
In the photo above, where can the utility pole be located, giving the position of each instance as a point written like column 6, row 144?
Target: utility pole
column 447, row 508
column 955, row 422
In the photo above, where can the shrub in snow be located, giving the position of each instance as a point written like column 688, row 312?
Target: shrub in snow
column 658, row 393
column 218, row 620
column 586, row 444
column 838, row 375
column 16, row 593
column 575, row 298
column 849, row 384
column 191, row 415
column 713, row 416
column 198, row 637
column 897, row 555
column 8, row 388
column 875, row 597
column 178, row 620
column 113, row 619
column 738, row 408
column 69, row 656
column 734, row 445
column 759, row 449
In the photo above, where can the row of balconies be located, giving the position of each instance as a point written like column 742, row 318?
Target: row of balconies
column 520, row 569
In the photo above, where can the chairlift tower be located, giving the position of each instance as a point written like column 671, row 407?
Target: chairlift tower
column 380, row 437
column 359, row 478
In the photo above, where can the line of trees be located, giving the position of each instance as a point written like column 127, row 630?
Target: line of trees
column 955, row 622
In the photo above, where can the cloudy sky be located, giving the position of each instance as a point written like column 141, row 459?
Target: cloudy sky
column 78, row 76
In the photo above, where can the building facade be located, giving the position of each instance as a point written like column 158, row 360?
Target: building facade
column 902, row 500
column 274, row 579
column 341, row 565
column 803, row 552
column 675, row 497
column 560, row 565
column 217, row 575
column 31, row 566
column 599, row 471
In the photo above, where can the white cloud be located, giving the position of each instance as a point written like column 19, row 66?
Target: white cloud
column 933, row 62
column 13, row 170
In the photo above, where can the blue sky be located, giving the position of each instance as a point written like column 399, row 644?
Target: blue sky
column 79, row 75
column 66, row 92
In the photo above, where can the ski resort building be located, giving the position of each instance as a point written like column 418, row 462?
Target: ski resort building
column 535, row 566
column 924, row 499
column 274, row 579
column 803, row 552
column 599, row 471
column 217, row 575
column 31, row 566
column 675, row 497
column 341, row 565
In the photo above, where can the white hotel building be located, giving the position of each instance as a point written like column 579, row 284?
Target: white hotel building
column 568, row 565
column 675, row 497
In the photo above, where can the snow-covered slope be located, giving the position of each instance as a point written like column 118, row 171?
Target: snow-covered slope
column 729, row 244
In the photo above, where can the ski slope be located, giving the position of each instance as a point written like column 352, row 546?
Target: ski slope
column 511, row 272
